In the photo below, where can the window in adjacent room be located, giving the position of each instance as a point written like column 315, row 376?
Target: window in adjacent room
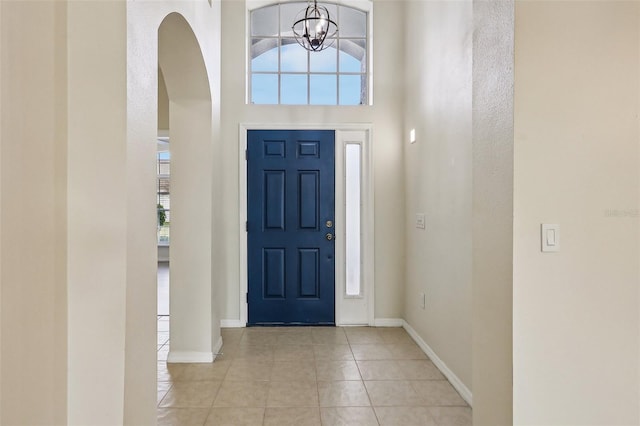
column 164, row 194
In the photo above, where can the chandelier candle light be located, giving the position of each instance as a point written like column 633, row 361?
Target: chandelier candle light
column 313, row 26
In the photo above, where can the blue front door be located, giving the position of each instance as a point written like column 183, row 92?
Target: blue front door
column 290, row 229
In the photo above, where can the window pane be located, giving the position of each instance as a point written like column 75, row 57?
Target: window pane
column 353, row 55
column 163, row 185
column 264, row 88
column 353, row 23
column 352, row 226
column 293, row 89
column 288, row 12
column 274, row 53
column 164, row 200
column 264, row 54
column 293, row 58
column 352, row 89
column 163, row 197
column 333, row 11
column 324, row 61
column 264, row 21
column 323, row 90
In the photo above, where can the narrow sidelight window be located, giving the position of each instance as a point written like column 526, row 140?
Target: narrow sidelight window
column 353, row 203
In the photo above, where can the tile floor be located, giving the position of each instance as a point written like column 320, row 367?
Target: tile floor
column 308, row 376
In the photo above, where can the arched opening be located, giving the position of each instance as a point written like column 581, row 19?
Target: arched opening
column 193, row 334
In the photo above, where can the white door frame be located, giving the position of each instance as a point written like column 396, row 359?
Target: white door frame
column 346, row 306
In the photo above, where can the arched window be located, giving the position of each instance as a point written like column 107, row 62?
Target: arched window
column 283, row 72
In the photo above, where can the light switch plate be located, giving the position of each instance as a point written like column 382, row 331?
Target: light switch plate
column 420, row 221
column 550, row 237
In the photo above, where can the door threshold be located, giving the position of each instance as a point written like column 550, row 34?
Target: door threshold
column 293, row 324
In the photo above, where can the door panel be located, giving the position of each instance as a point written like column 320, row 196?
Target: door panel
column 291, row 202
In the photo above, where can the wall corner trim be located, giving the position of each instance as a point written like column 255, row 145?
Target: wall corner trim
column 216, row 348
column 191, row 357
column 388, row 322
column 231, row 323
column 464, row 391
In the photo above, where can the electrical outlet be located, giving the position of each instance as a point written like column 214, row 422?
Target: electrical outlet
column 423, row 300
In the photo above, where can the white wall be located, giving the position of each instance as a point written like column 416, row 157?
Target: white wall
column 438, row 178
column 386, row 117
column 575, row 323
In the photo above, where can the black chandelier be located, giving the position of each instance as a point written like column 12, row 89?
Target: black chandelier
column 313, row 26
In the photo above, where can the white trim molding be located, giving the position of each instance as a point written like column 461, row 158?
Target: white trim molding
column 345, row 133
column 232, row 323
column 190, row 357
column 463, row 390
column 217, row 347
column 355, row 310
column 388, row 322
column 194, row 357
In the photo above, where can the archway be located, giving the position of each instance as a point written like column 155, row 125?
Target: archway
column 192, row 327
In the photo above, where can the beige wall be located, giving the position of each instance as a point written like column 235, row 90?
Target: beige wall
column 199, row 19
column 575, row 323
column 1, row 192
column 492, row 238
column 459, row 173
column 185, row 73
column 438, row 178
column 97, row 169
column 163, row 103
column 33, row 193
column 78, row 85
column 386, row 117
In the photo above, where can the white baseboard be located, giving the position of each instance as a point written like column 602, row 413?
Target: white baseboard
column 388, row 322
column 464, row 391
column 190, row 356
column 187, row 357
column 378, row 322
column 231, row 323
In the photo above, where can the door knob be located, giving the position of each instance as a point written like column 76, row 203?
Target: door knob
column 330, row 236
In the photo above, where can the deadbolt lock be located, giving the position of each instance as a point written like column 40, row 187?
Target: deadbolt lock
column 329, row 224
